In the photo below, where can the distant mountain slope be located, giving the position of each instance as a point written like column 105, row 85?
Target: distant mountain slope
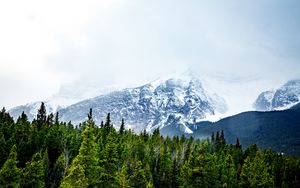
column 280, row 99
column 279, row 130
column 158, row 104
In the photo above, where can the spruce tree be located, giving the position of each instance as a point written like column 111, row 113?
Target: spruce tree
column 122, row 127
column 256, row 173
column 122, row 177
column 109, row 163
column 86, row 161
column 34, row 173
column 42, row 115
column 10, row 174
column 76, row 178
column 138, row 177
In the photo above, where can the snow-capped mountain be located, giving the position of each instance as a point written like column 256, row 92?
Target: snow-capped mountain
column 280, row 99
column 171, row 105
column 173, row 102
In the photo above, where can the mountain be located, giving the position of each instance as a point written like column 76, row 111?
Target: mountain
column 67, row 95
column 161, row 103
column 283, row 98
column 279, row 130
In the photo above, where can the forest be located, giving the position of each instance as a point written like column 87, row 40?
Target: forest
column 50, row 153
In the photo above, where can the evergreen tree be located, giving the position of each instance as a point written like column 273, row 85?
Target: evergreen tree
column 34, row 172
column 109, row 163
column 228, row 171
column 122, row 127
column 138, row 178
column 42, row 115
column 222, row 140
column 164, row 168
column 212, row 137
column 256, row 173
column 86, row 161
column 3, row 154
column 76, row 178
column 175, row 174
column 10, row 174
column 50, row 120
column 56, row 118
column 122, row 178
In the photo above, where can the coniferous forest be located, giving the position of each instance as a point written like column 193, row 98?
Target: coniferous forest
column 50, row 153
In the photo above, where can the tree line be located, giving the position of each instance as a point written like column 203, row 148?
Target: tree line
column 50, row 153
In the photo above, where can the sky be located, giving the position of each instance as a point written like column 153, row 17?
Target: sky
column 240, row 48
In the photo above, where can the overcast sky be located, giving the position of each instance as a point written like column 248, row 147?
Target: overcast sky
column 240, row 47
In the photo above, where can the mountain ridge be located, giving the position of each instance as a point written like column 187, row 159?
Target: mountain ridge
column 152, row 105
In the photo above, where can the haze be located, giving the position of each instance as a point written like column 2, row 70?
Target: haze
column 239, row 48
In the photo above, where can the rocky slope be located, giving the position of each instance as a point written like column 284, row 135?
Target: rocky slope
column 280, row 99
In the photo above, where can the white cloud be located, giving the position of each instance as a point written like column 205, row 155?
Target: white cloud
column 47, row 44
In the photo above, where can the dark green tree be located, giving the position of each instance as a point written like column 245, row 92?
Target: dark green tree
column 122, row 127
column 10, row 174
column 42, row 115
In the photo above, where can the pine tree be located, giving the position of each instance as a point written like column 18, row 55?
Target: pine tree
column 122, row 127
column 212, row 137
column 122, row 177
column 10, row 173
column 56, row 118
column 256, row 173
column 34, row 172
column 3, row 153
column 90, row 118
column 138, row 177
column 42, row 115
column 165, row 168
column 175, row 174
column 110, row 160
column 22, row 136
column 86, row 161
column 76, row 178
column 222, row 140
column 228, row 172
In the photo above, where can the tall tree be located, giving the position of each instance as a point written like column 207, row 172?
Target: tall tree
column 109, row 163
column 76, row 178
column 122, row 127
column 34, row 173
column 256, row 173
column 10, row 174
column 86, row 161
column 42, row 115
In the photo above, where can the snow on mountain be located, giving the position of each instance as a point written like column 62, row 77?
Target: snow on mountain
column 170, row 104
column 283, row 98
column 161, row 104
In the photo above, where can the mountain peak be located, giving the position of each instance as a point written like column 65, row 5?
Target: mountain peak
column 280, row 99
column 174, row 103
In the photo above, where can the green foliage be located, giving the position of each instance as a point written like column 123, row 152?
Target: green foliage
column 34, row 173
column 85, row 162
column 76, row 178
column 256, row 173
column 91, row 155
column 10, row 174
